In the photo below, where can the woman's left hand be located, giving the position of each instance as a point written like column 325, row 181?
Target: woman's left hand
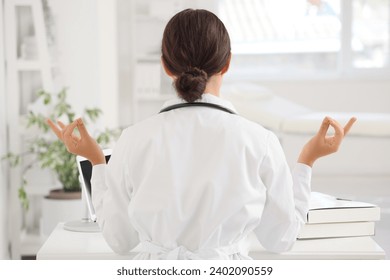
column 83, row 145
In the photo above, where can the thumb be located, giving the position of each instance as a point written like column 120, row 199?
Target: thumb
column 82, row 129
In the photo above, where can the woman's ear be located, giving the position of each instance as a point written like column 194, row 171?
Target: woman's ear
column 169, row 73
column 226, row 67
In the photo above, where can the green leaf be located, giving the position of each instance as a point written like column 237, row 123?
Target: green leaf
column 62, row 95
column 46, row 151
column 14, row 160
column 47, row 99
column 40, row 93
column 23, row 196
column 93, row 113
column 45, row 96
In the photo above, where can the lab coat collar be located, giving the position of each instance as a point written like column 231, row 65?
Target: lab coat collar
column 207, row 98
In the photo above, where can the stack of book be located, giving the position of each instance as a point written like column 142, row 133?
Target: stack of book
column 330, row 217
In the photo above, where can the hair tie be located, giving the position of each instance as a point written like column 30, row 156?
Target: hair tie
column 195, row 72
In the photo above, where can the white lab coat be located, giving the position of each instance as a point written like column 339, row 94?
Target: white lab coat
column 192, row 183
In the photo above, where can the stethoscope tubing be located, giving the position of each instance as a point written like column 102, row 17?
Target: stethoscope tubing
column 196, row 104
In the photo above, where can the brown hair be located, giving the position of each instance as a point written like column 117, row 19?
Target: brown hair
column 195, row 46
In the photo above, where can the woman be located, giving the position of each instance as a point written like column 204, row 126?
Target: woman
column 193, row 182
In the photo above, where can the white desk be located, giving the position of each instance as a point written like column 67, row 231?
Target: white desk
column 63, row 244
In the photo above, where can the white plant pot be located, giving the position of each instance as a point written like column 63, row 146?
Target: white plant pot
column 55, row 211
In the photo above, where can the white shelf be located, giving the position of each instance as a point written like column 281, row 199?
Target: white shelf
column 24, row 77
column 149, row 19
column 28, row 65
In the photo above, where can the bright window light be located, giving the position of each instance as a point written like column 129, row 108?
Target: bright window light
column 370, row 33
column 301, row 37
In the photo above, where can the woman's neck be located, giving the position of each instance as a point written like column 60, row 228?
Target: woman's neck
column 214, row 84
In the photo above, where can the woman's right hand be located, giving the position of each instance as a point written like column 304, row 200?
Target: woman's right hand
column 321, row 144
column 83, row 145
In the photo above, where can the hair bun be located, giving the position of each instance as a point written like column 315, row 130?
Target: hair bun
column 191, row 84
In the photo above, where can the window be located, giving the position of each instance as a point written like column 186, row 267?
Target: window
column 307, row 38
column 370, row 33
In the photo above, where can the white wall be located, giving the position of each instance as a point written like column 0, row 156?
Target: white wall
column 85, row 39
column 76, row 40
column 108, row 61
column 3, row 186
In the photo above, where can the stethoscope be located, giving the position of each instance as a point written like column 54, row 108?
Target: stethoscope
column 196, row 104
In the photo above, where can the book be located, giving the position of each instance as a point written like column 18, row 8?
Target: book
column 331, row 230
column 325, row 208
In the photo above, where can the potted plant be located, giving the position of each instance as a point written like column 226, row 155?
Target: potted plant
column 48, row 152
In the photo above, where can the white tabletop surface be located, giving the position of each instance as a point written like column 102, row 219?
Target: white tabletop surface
column 64, row 244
